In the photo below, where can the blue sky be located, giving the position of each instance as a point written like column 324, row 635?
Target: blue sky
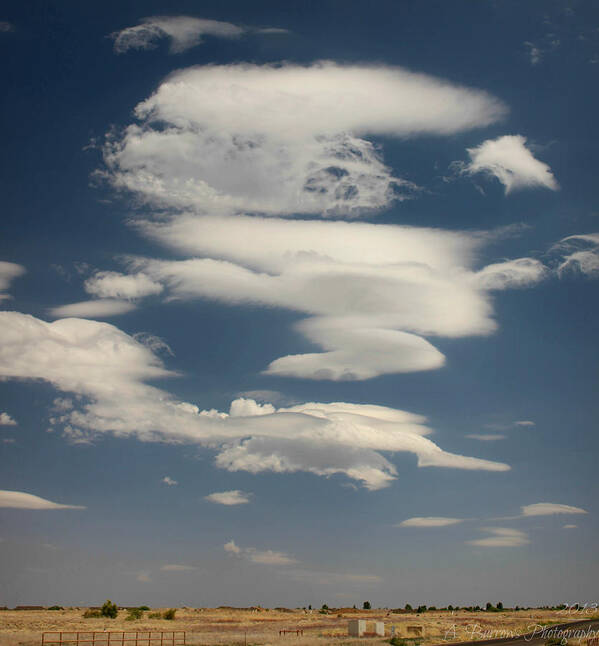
column 298, row 303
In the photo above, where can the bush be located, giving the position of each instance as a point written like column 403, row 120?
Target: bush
column 134, row 614
column 144, row 607
column 154, row 615
column 169, row 614
column 109, row 609
column 366, row 605
column 91, row 614
column 55, row 608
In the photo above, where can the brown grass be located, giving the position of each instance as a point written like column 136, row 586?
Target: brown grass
column 209, row 626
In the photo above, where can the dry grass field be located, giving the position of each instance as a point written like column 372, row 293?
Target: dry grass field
column 207, row 626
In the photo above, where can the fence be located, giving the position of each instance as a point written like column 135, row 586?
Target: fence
column 120, row 638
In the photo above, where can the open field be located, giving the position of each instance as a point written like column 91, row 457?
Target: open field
column 207, row 626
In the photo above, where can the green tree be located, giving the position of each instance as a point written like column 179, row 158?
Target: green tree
column 366, row 605
column 109, row 609
column 500, row 606
column 408, row 608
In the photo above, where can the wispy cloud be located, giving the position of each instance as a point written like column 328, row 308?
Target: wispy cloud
column 549, row 509
column 143, row 576
column 174, row 567
column 112, row 284
column 524, row 422
column 233, row 497
column 169, row 481
column 263, row 557
column 579, row 254
column 8, row 272
column 429, row 521
column 22, row 500
column 486, row 437
column 183, row 32
column 6, row 26
column 501, row 537
column 101, row 308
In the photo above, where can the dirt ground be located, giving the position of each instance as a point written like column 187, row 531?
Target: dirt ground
column 207, row 626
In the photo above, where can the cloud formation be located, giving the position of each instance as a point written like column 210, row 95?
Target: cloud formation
column 372, row 291
column 22, row 500
column 169, row 482
column 174, row 567
column 486, row 437
column 8, row 272
column 233, row 497
column 102, row 308
column 183, row 32
column 501, row 537
column 283, row 139
column 6, row 420
column 509, row 160
column 429, row 521
column 263, row 557
column 549, row 509
column 112, row 284
column 107, row 369
column 579, row 255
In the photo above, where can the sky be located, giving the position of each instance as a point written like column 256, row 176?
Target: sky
column 298, row 303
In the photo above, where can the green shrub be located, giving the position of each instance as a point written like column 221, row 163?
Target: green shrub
column 366, row 605
column 55, row 608
column 144, row 607
column 91, row 614
column 109, row 609
column 154, row 615
column 134, row 614
column 169, row 614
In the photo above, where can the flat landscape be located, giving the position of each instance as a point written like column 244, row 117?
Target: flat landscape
column 240, row 626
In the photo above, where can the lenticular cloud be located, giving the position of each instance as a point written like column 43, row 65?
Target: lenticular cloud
column 283, row 139
column 371, row 292
column 107, row 370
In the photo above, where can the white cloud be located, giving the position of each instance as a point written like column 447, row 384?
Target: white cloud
column 22, row 500
column 173, row 567
column 511, row 274
column 6, row 420
column 283, row 139
column 501, row 537
column 525, row 422
column 102, row 308
column 509, row 160
column 107, row 369
column 8, row 272
column 232, row 547
column 486, row 437
column 6, row 26
column 112, row 284
column 372, row 291
column 234, row 497
column 570, row 526
column 535, row 53
column 184, row 32
column 550, row 508
column 169, row 481
column 263, row 557
column 429, row 521
column 143, row 576
column 580, row 254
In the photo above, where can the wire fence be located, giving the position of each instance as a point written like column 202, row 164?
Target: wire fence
column 118, row 638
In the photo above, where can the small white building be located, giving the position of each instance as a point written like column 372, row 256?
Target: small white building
column 363, row 628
